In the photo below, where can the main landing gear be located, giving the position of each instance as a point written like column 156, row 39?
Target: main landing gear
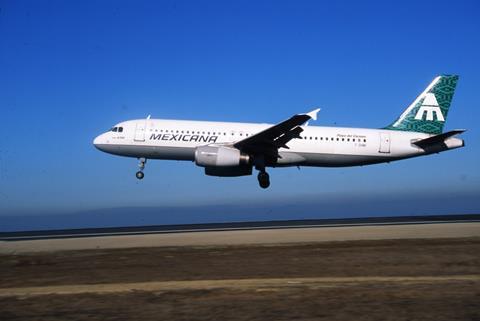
column 263, row 177
column 141, row 165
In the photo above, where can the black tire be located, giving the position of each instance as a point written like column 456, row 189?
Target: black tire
column 264, row 184
column 139, row 175
column 263, row 180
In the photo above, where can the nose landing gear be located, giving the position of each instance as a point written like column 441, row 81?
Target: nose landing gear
column 141, row 165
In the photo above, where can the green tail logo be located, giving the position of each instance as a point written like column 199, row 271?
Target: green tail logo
column 427, row 113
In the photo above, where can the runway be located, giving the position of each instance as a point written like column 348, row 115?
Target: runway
column 235, row 226
column 432, row 279
column 222, row 236
column 420, row 268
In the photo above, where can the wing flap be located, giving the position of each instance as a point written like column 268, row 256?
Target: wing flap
column 269, row 140
column 288, row 136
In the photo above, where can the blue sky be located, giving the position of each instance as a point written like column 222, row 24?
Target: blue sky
column 71, row 69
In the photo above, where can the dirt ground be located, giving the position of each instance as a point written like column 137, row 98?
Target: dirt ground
column 434, row 279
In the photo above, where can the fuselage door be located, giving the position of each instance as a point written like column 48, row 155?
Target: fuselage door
column 384, row 143
column 140, row 128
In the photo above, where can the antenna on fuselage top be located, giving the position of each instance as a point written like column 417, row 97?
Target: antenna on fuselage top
column 148, row 117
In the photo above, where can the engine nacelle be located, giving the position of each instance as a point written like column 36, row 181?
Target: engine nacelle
column 229, row 171
column 212, row 156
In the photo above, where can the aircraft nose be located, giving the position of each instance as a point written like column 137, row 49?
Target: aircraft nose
column 98, row 141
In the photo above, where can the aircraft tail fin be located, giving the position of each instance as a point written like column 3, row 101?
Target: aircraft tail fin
column 428, row 112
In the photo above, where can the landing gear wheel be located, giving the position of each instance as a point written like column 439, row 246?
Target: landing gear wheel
column 263, row 179
column 141, row 164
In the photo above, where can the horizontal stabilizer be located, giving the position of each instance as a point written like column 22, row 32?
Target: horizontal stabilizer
column 437, row 139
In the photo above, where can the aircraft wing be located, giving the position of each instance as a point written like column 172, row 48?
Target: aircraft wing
column 268, row 141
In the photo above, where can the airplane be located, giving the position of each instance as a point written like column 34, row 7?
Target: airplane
column 229, row 149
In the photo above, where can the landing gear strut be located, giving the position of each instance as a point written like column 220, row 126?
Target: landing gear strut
column 141, row 165
column 263, row 177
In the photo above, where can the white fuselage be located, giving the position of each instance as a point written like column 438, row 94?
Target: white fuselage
column 318, row 146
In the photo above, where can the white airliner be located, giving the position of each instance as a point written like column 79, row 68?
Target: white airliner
column 234, row 149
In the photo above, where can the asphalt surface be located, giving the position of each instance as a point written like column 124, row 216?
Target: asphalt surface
column 251, row 236
column 235, row 226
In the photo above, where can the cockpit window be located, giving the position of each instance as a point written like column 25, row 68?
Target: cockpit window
column 116, row 129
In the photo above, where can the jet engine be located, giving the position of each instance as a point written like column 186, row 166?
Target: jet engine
column 213, row 156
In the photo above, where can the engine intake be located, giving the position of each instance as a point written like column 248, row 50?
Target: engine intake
column 211, row 156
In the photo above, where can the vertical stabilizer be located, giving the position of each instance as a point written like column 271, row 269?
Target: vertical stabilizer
column 427, row 113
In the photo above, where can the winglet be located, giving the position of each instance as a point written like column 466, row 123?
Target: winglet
column 313, row 114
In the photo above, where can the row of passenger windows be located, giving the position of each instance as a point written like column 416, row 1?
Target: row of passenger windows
column 247, row 134
column 117, row 129
column 337, row 139
column 195, row 132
